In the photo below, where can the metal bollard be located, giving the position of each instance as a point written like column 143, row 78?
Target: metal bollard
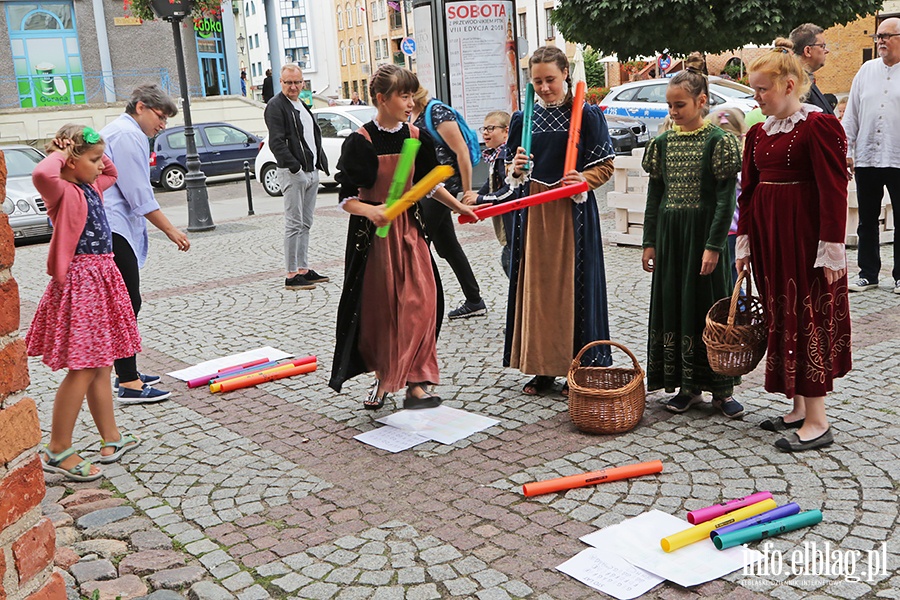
column 249, row 189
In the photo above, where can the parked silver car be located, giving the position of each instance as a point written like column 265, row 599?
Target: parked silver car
column 26, row 210
column 646, row 100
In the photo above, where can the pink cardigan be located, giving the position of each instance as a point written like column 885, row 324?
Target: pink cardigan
column 67, row 208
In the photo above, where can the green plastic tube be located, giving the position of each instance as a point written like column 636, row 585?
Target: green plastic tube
column 767, row 530
column 401, row 176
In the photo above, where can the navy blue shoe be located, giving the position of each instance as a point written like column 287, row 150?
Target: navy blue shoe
column 143, row 396
column 145, row 379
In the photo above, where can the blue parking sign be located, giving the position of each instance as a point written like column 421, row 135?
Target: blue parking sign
column 408, row 46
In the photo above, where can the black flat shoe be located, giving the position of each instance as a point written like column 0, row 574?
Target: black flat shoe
column 793, row 443
column 428, row 400
column 538, row 384
column 779, row 424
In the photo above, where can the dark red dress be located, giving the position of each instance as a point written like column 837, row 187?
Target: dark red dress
column 794, row 196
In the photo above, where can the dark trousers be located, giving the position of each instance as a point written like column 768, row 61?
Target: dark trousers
column 870, row 184
column 441, row 232
column 126, row 368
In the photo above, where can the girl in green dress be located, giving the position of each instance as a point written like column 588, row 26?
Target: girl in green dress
column 690, row 202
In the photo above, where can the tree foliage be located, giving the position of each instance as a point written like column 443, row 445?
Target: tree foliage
column 594, row 70
column 631, row 28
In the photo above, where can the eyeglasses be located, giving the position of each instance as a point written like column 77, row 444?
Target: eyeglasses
column 883, row 37
column 162, row 118
column 490, row 128
column 290, row 83
column 822, row 46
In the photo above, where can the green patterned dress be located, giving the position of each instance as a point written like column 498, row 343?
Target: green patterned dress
column 690, row 202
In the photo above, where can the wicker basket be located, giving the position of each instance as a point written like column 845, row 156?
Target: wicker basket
column 736, row 332
column 606, row 399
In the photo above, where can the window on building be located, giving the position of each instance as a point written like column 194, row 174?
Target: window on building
column 340, row 18
column 247, row 10
column 348, row 14
column 360, row 13
column 382, row 10
column 362, row 51
column 343, row 55
column 551, row 30
column 377, row 50
column 373, row 10
column 523, row 24
column 352, row 52
column 365, row 90
column 256, row 39
column 346, row 89
column 384, row 49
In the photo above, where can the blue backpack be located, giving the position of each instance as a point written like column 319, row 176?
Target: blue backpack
column 467, row 132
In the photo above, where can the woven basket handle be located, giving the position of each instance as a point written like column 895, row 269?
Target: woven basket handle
column 736, row 294
column 577, row 360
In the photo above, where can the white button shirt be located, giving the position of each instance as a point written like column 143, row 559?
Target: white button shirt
column 872, row 118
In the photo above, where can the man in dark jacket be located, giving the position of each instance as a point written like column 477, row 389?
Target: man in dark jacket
column 810, row 48
column 268, row 88
column 296, row 142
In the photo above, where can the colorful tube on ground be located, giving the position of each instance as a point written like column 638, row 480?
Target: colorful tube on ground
column 574, row 128
column 418, row 191
column 401, row 176
column 767, row 530
column 576, row 481
column 566, row 191
column 701, row 532
column 701, row 515
column 198, row 381
column 770, row 515
column 270, row 375
column 527, row 120
column 296, row 362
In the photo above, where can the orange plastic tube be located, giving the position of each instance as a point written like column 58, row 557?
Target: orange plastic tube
column 595, row 477
column 263, row 377
column 574, row 128
column 418, row 191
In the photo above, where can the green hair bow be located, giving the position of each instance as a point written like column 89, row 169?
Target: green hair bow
column 90, row 135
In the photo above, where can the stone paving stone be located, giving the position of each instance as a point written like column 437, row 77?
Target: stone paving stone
column 149, row 561
column 163, row 595
column 104, row 548
column 256, row 592
column 127, row 587
column 150, row 540
column 291, row 582
column 103, row 517
column 120, row 530
column 238, row 581
column 206, row 590
column 173, row 579
column 93, row 570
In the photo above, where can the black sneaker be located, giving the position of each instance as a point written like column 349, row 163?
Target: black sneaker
column 682, row 402
column 313, row 277
column 862, row 285
column 466, row 310
column 298, row 282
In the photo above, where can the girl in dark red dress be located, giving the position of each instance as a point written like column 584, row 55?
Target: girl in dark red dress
column 84, row 320
column 793, row 212
column 390, row 305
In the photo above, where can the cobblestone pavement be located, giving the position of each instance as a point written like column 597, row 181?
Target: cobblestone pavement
column 263, row 493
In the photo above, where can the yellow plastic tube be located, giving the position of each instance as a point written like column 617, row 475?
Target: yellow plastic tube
column 701, row 531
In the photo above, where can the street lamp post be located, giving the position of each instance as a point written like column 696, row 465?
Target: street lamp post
column 199, row 217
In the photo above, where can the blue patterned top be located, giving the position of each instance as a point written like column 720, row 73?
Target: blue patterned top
column 96, row 237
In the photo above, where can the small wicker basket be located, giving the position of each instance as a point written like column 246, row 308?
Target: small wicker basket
column 736, row 331
column 606, row 399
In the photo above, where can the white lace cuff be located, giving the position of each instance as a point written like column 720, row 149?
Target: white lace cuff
column 831, row 255
column 434, row 189
column 742, row 247
column 513, row 182
column 580, row 198
column 346, row 200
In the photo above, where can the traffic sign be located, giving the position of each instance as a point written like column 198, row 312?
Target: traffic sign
column 408, row 46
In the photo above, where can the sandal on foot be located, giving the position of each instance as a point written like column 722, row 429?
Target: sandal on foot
column 729, row 407
column 538, row 384
column 779, row 424
column 80, row 472
column 683, row 401
column 127, row 441
column 373, row 401
column 793, row 443
column 427, row 400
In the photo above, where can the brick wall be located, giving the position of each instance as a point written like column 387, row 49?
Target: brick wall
column 845, row 54
column 27, row 540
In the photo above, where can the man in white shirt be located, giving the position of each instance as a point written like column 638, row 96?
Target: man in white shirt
column 872, row 123
column 296, row 142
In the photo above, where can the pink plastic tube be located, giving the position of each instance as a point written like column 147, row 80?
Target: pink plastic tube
column 717, row 510
column 198, row 381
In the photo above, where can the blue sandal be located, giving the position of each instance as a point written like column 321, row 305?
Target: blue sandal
column 80, row 472
column 126, row 442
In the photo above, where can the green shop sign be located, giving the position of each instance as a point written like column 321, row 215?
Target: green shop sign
column 206, row 27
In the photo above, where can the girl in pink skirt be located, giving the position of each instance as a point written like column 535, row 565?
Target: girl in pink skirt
column 84, row 320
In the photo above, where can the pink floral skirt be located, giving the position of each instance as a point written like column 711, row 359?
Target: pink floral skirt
column 86, row 322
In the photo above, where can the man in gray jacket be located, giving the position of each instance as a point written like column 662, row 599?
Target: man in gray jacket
column 296, row 142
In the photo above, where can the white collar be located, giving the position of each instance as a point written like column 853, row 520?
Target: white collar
column 773, row 125
column 385, row 129
column 556, row 104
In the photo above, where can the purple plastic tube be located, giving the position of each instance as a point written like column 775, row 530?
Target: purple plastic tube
column 770, row 515
column 702, row 515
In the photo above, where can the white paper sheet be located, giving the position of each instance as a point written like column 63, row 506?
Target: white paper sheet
column 637, row 541
column 610, row 574
column 442, row 424
column 211, row 366
column 390, row 439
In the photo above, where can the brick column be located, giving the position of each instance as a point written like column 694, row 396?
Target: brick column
column 27, row 540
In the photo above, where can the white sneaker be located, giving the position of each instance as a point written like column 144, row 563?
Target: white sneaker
column 897, row 287
column 862, row 284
